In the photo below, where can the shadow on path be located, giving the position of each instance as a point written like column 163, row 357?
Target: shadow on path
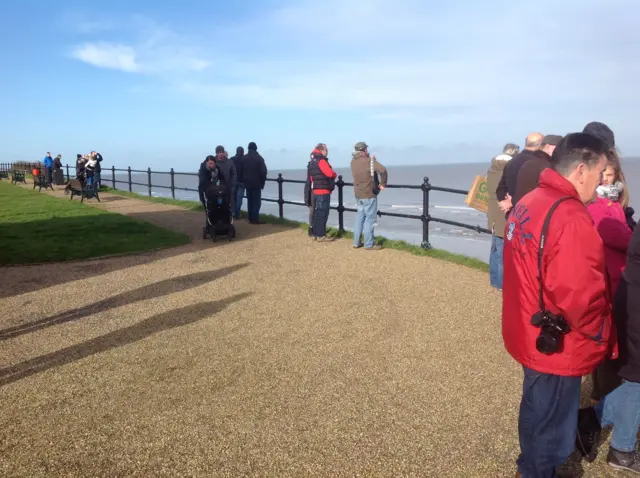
column 151, row 291
column 157, row 323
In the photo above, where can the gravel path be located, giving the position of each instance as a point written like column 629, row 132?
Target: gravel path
column 269, row 356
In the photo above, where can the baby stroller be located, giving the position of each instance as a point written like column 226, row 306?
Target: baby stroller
column 217, row 205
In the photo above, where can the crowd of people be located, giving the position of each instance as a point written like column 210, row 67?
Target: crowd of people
column 566, row 255
column 247, row 174
column 88, row 169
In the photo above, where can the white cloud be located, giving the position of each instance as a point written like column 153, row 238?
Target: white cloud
column 106, row 55
column 400, row 58
column 156, row 50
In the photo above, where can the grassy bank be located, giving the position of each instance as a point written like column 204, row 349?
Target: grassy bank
column 387, row 243
column 37, row 227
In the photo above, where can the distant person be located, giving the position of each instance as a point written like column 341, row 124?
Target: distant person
column 495, row 216
column 365, row 170
column 254, row 171
column 238, row 191
column 323, row 182
column 97, row 177
column 90, row 171
column 228, row 170
column 556, row 310
column 80, row 167
column 507, row 187
column 530, row 171
column 58, row 174
column 47, row 162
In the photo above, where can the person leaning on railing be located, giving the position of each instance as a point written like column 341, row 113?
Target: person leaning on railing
column 322, row 179
column 365, row 170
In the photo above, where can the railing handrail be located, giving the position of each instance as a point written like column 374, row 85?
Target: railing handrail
column 425, row 187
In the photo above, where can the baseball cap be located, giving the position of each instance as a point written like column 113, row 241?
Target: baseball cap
column 219, row 149
column 602, row 132
column 361, row 146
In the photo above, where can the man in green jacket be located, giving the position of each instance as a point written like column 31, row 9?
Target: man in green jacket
column 365, row 170
column 495, row 216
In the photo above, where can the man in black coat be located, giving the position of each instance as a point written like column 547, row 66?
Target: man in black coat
column 238, row 189
column 620, row 408
column 254, row 174
column 507, row 187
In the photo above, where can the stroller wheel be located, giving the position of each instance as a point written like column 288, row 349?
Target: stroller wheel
column 214, row 237
column 204, row 232
column 232, row 232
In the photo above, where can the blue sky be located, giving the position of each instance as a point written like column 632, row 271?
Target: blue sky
column 161, row 83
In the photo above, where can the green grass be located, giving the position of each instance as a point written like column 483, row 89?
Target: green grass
column 36, row 227
column 383, row 241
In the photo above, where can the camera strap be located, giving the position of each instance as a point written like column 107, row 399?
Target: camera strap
column 543, row 237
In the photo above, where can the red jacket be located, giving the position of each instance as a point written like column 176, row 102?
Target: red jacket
column 328, row 171
column 611, row 223
column 574, row 281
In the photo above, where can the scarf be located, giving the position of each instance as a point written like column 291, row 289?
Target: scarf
column 610, row 191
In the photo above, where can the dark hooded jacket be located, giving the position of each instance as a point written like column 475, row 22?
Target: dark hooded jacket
column 237, row 162
column 254, row 170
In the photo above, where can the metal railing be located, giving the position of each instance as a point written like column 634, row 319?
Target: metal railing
column 425, row 187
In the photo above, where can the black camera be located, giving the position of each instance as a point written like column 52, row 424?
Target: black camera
column 552, row 328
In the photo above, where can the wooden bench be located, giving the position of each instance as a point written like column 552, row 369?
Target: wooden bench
column 75, row 187
column 40, row 181
column 18, row 177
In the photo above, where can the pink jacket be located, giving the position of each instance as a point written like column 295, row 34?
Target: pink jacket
column 611, row 223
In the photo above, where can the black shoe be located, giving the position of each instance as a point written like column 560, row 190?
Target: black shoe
column 588, row 436
column 627, row 461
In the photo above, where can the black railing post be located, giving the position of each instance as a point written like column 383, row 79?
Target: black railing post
column 173, row 184
column 426, row 188
column 113, row 177
column 280, row 198
column 149, row 180
column 129, row 173
column 67, row 172
column 340, row 184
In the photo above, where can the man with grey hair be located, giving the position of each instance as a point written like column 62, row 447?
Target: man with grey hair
column 495, row 217
column 507, row 187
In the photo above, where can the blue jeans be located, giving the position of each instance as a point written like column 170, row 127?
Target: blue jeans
column 365, row 218
column 321, row 214
column 238, row 196
column 621, row 408
column 548, row 422
column 254, row 201
column 48, row 175
column 495, row 262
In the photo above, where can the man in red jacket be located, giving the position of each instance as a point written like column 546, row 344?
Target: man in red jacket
column 323, row 182
column 556, row 311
